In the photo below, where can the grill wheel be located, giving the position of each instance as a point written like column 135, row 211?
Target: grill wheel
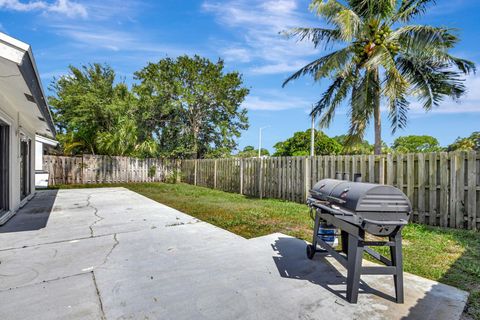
column 310, row 251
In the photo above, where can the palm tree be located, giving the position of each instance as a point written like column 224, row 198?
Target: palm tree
column 381, row 59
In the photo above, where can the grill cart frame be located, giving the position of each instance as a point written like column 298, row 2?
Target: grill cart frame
column 354, row 244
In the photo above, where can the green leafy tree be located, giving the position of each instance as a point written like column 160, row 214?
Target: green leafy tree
column 361, row 147
column 415, row 144
column 380, row 57
column 124, row 141
column 466, row 144
column 192, row 105
column 88, row 108
column 299, row 145
column 251, row 152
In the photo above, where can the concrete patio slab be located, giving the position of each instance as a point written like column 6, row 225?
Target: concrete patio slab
column 127, row 257
column 69, row 298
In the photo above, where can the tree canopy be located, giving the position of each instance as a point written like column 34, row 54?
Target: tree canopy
column 91, row 110
column 360, row 147
column 251, row 152
column 187, row 107
column 192, row 106
column 416, row 144
column 380, row 56
column 299, row 145
column 466, row 144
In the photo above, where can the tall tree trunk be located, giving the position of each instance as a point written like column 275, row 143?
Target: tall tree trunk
column 377, row 118
column 195, row 142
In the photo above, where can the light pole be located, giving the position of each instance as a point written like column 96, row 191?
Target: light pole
column 312, row 136
column 260, row 141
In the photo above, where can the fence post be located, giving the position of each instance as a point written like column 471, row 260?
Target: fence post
column 195, row 172
column 83, row 168
column 472, row 190
column 179, row 170
column 381, row 170
column 260, row 178
column 215, row 174
column 241, row 175
column 307, row 178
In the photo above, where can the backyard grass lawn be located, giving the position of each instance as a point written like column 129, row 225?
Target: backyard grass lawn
column 447, row 255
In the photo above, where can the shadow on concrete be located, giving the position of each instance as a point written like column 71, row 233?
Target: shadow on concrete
column 293, row 263
column 34, row 215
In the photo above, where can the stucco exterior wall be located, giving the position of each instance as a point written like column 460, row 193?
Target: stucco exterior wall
column 19, row 128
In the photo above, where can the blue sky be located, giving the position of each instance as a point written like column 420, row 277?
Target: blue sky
column 128, row 34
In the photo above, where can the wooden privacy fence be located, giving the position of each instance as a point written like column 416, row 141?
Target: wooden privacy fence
column 444, row 188
column 105, row 169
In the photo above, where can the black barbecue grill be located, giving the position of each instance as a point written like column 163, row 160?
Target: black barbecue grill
column 357, row 208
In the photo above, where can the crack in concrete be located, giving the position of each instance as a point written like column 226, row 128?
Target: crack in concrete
column 43, row 281
column 103, row 317
column 176, row 224
column 115, row 244
column 107, row 256
column 67, row 240
column 95, row 212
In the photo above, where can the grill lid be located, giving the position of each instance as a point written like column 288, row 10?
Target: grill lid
column 361, row 197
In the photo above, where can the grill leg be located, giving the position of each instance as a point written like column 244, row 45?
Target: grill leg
column 354, row 268
column 396, row 255
column 315, row 230
column 344, row 242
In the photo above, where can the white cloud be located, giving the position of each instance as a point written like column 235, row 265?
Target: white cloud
column 20, row 6
column 68, row 8
column 63, row 7
column 111, row 25
column 106, row 39
column 273, row 100
column 257, row 24
column 275, row 68
column 236, row 54
column 280, row 6
column 99, row 37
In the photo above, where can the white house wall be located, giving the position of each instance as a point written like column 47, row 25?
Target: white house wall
column 18, row 126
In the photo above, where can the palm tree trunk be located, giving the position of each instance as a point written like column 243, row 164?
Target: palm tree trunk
column 377, row 118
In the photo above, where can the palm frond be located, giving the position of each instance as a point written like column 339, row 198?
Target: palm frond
column 411, row 8
column 373, row 8
column 348, row 23
column 327, row 97
column 398, row 110
column 463, row 65
column 421, row 37
column 334, row 12
column 327, row 9
column 334, row 63
column 364, row 99
column 395, row 88
column 432, row 80
column 341, row 87
column 318, row 36
column 324, row 65
column 431, row 42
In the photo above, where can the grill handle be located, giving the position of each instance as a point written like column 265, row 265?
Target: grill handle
column 318, row 204
column 335, row 199
column 401, row 222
